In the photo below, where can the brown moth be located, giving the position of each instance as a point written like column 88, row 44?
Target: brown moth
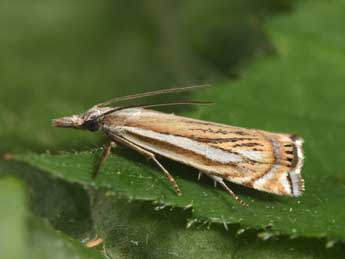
column 258, row 159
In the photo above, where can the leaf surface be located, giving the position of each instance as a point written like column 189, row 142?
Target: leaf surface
column 284, row 93
column 131, row 230
column 12, row 219
column 25, row 236
column 136, row 230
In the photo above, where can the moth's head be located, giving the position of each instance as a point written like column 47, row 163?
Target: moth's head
column 90, row 120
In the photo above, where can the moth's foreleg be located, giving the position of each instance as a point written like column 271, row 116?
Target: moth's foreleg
column 149, row 155
column 105, row 155
column 199, row 175
column 219, row 180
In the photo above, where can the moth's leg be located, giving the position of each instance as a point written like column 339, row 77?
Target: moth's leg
column 105, row 155
column 149, row 155
column 219, row 180
column 199, row 175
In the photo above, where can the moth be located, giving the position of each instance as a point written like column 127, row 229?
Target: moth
column 262, row 160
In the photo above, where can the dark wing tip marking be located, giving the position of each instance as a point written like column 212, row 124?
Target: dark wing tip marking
column 294, row 175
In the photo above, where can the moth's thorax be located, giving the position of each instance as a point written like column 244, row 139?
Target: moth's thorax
column 125, row 117
column 95, row 112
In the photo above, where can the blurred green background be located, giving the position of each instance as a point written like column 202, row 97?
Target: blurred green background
column 278, row 65
column 61, row 57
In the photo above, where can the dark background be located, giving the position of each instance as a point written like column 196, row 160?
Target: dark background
column 61, row 57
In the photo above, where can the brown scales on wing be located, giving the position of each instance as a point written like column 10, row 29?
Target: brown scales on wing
column 287, row 166
column 216, row 135
column 276, row 150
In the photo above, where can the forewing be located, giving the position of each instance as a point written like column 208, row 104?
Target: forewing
column 262, row 160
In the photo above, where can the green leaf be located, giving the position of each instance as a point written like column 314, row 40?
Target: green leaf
column 57, row 54
column 135, row 230
column 46, row 242
column 66, row 206
column 301, row 91
column 12, row 219
column 25, row 236
column 283, row 94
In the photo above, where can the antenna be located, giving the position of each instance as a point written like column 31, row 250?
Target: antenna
column 150, row 105
column 152, row 93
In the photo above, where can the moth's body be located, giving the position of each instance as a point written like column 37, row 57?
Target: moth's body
column 262, row 160
column 254, row 158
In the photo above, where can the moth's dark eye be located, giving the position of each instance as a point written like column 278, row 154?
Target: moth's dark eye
column 91, row 125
